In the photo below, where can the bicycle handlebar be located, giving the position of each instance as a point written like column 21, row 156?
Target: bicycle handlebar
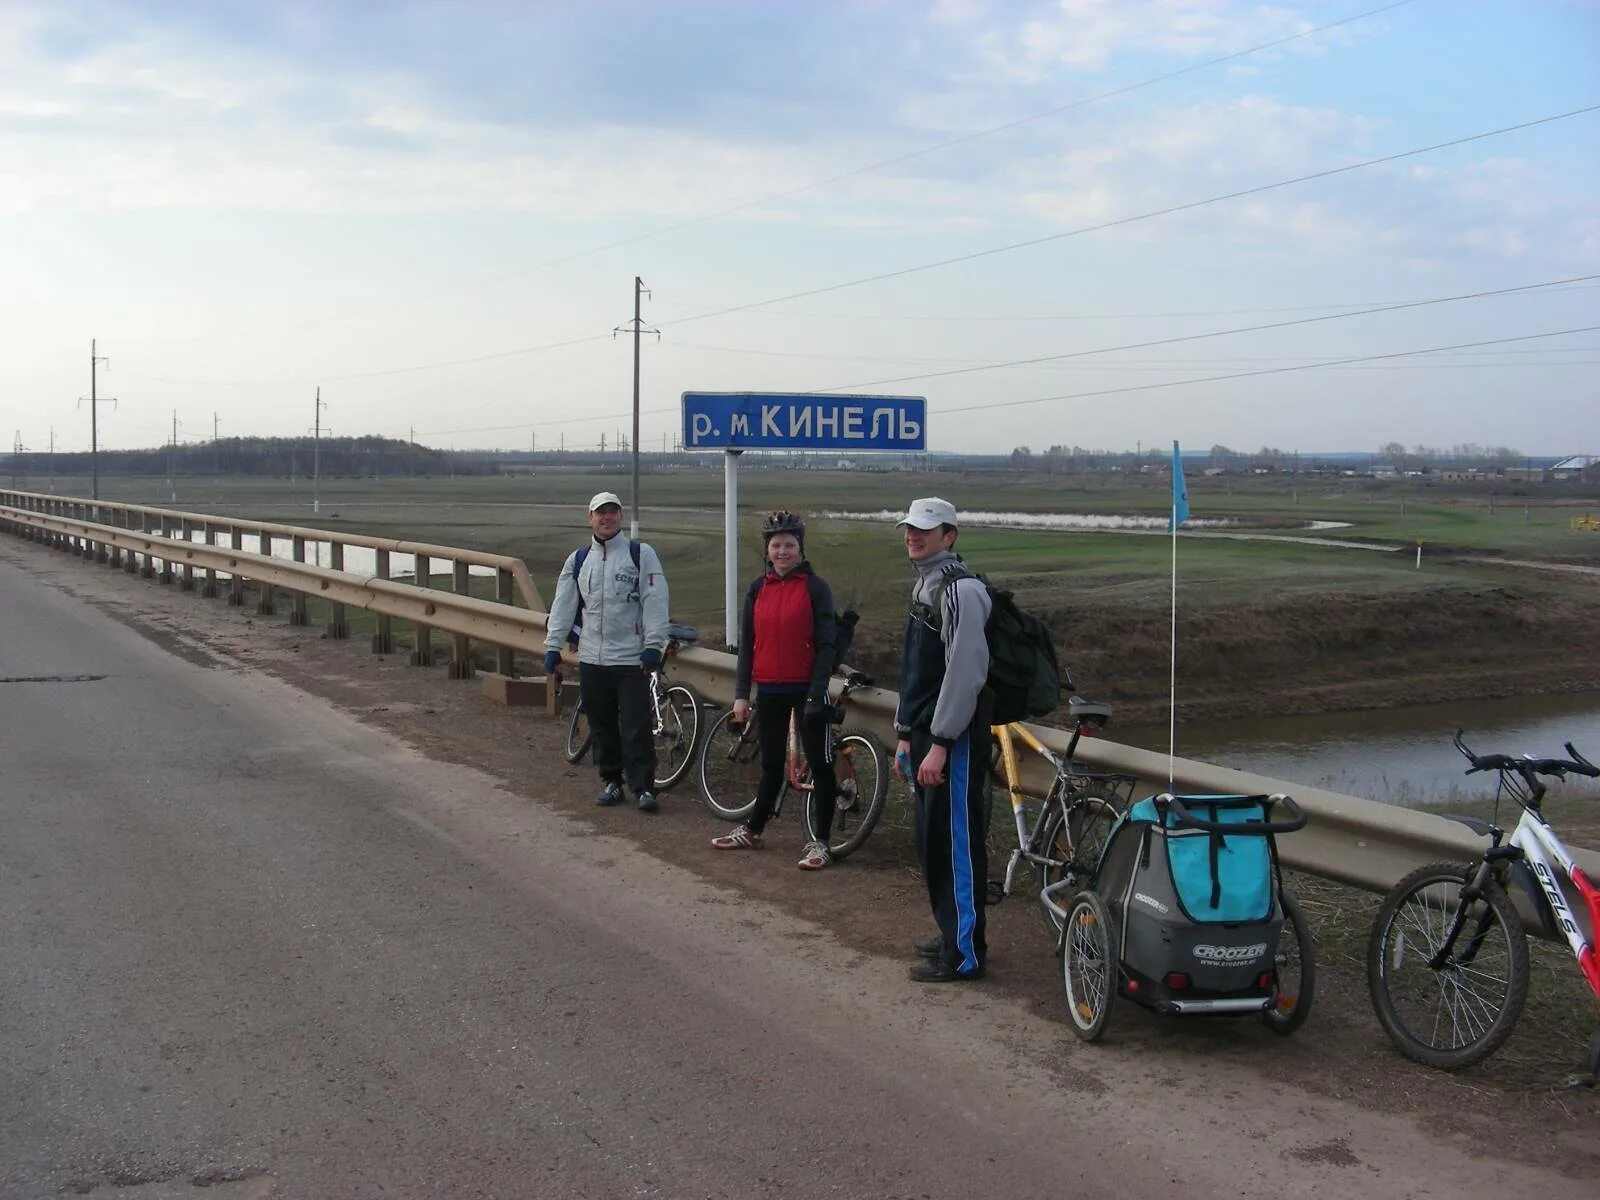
column 1527, row 766
column 1296, row 820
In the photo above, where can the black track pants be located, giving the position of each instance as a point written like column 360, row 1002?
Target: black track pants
column 617, row 701
column 952, row 844
column 772, row 735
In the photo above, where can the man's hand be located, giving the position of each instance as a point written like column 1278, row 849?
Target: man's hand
column 552, row 662
column 741, row 712
column 650, row 660
column 902, row 760
column 931, row 772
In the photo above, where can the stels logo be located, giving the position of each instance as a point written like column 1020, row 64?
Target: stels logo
column 1230, row 955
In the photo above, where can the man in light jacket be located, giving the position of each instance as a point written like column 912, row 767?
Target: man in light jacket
column 615, row 592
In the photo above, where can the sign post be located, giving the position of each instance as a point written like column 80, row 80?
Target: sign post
column 734, row 422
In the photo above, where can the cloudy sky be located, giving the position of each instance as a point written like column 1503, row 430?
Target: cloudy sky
column 435, row 212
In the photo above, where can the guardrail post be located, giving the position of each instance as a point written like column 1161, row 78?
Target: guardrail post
column 297, row 610
column 236, row 580
column 167, row 532
column 383, row 637
column 76, row 544
column 101, row 550
column 264, row 605
column 186, row 584
column 208, row 589
column 130, row 560
column 148, row 571
column 505, row 661
column 460, row 647
column 115, row 519
column 422, row 652
column 337, row 628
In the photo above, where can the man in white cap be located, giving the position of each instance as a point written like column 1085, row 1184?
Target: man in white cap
column 943, row 728
column 615, row 592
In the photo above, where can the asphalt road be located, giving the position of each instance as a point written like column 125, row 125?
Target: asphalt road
column 249, row 943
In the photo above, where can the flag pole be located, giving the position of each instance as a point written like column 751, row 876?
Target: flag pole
column 1172, row 677
column 1180, row 514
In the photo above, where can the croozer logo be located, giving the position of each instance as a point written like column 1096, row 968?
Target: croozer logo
column 1230, row 954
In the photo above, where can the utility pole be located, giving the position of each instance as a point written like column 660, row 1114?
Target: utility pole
column 637, row 327
column 94, row 416
column 316, row 457
column 172, row 459
column 52, row 458
column 216, row 444
column 19, row 470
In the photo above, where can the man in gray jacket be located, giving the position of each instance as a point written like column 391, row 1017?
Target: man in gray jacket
column 616, row 593
column 943, row 728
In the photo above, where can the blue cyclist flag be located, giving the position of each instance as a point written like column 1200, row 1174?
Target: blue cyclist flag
column 1180, row 492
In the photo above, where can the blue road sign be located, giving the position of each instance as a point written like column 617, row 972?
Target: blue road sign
column 803, row 421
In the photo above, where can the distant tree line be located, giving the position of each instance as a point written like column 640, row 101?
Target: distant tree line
column 358, row 456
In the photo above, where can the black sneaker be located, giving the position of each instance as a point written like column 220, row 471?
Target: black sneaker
column 648, row 802
column 610, row 795
column 932, row 948
column 936, row 970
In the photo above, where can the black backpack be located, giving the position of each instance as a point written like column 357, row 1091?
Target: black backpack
column 1024, row 677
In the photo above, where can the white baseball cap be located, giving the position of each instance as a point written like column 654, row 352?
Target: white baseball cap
column 601, row 499
column 929, row 513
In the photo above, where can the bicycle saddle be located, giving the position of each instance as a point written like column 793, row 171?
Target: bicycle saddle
column 859, row 679
column 687, row 634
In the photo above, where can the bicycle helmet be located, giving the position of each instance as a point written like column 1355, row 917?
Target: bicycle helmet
column 783, row 522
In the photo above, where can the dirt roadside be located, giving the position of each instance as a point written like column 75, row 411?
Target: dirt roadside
column 874, row 903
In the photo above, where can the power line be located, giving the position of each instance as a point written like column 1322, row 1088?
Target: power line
column 1320, row 364
column 977, row 254
column 957, row 141
column 1188, row 206
column 1338, row 362
column 1020, row 318
column 1200, row 337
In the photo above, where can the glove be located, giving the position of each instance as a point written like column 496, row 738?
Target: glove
column 816, row 706
column 650, row 660
column 552, row 661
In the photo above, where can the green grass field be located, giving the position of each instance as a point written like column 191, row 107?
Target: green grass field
column 1280, row 626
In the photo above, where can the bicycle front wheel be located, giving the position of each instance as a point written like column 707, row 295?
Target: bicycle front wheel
column 1294, row 971
column 861, row 770
column 730, row 767
column 577, row 733
column 1075, row 833
column 1461, row 1012
column 677, row 734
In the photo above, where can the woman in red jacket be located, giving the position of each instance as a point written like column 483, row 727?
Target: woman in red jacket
column 786, row 647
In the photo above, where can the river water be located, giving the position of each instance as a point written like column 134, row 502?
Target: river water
column 1398, row 755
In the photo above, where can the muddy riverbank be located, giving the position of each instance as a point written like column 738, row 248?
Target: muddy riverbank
column 1319, row 653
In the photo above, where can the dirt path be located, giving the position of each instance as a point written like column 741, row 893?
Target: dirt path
column 875, row 904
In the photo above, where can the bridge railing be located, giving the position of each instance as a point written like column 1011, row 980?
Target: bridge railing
column 95, row 529
column 1349, row 839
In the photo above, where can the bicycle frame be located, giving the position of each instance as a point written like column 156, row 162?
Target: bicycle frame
column 1068, row 776
column 1539, row 846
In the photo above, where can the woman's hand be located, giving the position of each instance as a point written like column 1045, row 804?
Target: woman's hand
column 741, row 712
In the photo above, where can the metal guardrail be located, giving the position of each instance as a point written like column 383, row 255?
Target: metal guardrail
column 121, row 534
column 1349, row 839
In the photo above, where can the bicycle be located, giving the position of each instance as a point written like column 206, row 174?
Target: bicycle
column 675, row 710
column 730, row 769
column 1447, row 960
column 1078, row 811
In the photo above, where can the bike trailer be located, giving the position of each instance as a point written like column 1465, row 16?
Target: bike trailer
column 1192, row 884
